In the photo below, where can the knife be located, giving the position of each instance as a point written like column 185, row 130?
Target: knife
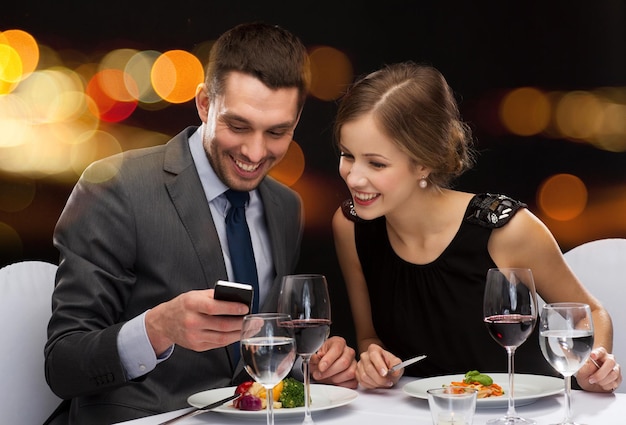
column 406, row 363
column 199, row 410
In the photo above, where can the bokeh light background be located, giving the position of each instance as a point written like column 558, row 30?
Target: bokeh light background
column 543, row 85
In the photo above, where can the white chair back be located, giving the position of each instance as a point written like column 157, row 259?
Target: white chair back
column 25, row 308
column 601, row 266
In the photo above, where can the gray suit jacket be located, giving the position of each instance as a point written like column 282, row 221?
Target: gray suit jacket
column 137, row 231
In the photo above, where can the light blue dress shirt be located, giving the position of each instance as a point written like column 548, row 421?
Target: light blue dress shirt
column 134, row 347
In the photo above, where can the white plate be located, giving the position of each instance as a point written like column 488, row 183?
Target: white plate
column 528, row 388
column 323, row 397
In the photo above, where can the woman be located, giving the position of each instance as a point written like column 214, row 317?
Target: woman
column 414, row 253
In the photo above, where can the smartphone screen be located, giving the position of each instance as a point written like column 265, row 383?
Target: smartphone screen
column 233, row 291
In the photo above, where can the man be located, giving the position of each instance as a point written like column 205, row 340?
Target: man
column 135, row 329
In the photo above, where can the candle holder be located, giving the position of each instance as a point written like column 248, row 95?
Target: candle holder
column 452, row 405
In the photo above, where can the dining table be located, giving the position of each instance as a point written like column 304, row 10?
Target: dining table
column 393, row 406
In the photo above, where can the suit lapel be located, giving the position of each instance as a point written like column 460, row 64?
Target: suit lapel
column 186, row 193
column 185, row 190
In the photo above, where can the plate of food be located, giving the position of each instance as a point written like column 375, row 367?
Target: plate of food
column 323, row 397
column 528, row 388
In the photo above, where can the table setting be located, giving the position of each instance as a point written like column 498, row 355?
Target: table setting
column 270, row 344
column 395, row 406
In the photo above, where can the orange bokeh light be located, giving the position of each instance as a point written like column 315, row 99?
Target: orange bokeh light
column 331, row 73
column 562, row 197
column 19, row 56
column 525, row 111
column 175, row 76
column 290, row 169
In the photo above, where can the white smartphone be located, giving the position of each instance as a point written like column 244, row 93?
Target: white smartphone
column 233, row 291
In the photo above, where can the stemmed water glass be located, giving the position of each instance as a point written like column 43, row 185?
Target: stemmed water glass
column 510, row 313
column 305, row 298
column 566, row 340
column 268, row 350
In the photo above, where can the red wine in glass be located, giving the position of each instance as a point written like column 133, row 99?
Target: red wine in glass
column 510, row 313
column 305, row 298
column 510, row 330
column 310, row 334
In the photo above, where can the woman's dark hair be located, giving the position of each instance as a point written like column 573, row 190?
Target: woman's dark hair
column 267, row 52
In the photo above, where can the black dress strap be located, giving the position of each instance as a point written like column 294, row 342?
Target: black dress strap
column 485, row 209
column 492, row 211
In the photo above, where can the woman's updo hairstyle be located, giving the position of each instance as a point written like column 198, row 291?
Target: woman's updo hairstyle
column 415, row 107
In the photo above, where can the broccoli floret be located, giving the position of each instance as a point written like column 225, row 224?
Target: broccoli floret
column 292, row 394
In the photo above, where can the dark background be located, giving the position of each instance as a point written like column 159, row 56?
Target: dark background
column 482, row 47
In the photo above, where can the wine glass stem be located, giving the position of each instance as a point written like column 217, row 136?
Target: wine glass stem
column 511, row 365
column 568, row 400
column 269, row 398
column 307, row 390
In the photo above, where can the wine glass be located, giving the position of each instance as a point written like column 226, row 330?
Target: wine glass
column 566, row 340
column 510, row 313
column 305, row 298
column 268, row 350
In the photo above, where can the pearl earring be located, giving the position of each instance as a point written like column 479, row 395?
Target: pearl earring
column 423, row 183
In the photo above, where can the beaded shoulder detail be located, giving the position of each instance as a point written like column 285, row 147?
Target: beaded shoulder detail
column 492, row 211
column 347, row 207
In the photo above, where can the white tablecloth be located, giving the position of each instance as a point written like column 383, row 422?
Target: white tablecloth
column 394, row 407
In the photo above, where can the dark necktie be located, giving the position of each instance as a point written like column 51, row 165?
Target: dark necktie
column 240, row 244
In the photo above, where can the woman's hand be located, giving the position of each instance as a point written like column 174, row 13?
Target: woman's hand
column 601, row 373
column 372, row 370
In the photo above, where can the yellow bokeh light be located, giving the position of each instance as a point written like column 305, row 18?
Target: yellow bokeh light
column 25, row 46
column 116, row 59
column 15, row 121
column 615, row 120
column 70, row 132
column 10, row 64
column 53, row 95
column 290, row 169
column 93, row 145
column 119, row 85
column 562, row 197
column 175, row 76
column 19, row 56
column 525, row 111
column 579, row 115
column 69, row 106
column 40, row 155
column 38, row 92
column 331, row 73
column 138, row 69
column 6, row 87
column 612, row 136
